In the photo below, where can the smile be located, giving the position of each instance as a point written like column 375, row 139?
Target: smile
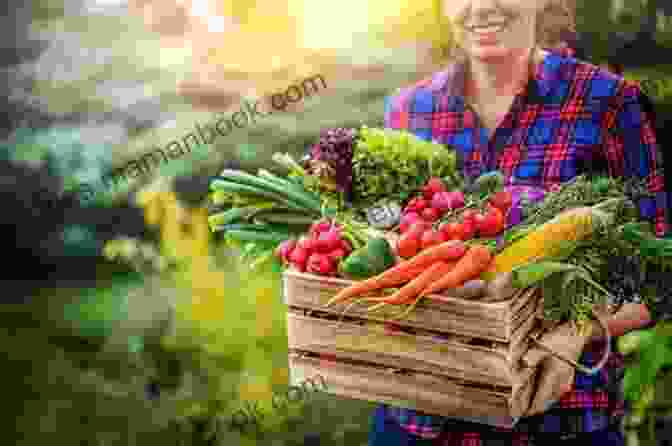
column 488, row 28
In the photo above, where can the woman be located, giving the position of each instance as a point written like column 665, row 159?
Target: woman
column 541, row 119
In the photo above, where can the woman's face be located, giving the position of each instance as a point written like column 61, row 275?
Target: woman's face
column 493, row 29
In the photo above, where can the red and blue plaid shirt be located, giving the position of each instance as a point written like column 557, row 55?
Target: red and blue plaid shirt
column 571, row 118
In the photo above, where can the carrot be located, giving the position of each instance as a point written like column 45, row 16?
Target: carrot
column 413, row 288
column 469, row 267
column 404, row 271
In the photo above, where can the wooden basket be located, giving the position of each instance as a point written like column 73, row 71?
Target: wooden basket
column 452, row 357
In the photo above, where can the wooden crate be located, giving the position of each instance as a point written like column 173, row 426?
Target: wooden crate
column 452, row 357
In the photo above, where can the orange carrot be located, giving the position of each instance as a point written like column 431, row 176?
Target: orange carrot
column 404, row 271
column 413, row 288
column 474, row 262
column 450, row 264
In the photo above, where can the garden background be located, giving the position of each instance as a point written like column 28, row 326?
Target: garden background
column 108, row 356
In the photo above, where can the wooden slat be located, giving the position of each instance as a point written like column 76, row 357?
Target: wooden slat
column 485, row 320
column 370, row 342
column 426, row 393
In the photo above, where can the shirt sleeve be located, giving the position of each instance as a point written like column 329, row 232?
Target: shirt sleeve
column 394, row 115
column 632, row 151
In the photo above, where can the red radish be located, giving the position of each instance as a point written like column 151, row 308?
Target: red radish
column 284, row 250
column 431, row 215
column 456, row 200
column 319, row 226
column 307, row 243
column 345, row 246
column 320, row 264
column 298, row 258
column 337, row 254
column 328, row 241
column 442, row 201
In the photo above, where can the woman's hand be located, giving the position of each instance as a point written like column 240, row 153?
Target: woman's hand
column 629, row 317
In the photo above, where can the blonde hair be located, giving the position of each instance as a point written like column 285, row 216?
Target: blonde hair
column 554, row 23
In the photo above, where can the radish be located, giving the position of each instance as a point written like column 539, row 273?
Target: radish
column 284, row 250
column 328, row 241
column 307, row 243
column 320, row 264
column 298, row 258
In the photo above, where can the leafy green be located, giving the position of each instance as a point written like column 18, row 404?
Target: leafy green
column 394, row 164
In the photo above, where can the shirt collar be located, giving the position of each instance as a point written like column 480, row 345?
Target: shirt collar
column 451, row 81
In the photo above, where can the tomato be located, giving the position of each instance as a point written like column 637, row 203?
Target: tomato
column 493, row 223
column 502, row 200
column 418, row 228
column 478, row 221
column 408, row 246
column 469, row 215
column 453, row 231
column 468, row 230
column 431, row 214
column 430, row 238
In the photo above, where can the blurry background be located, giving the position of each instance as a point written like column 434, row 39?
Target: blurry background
column 97, row 352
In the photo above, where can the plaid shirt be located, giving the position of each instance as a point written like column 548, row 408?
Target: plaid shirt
column 571, row 118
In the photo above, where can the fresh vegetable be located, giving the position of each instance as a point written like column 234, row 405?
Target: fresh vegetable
column 395, row 164
column 368, row 261
column 333, row 155
column 233, row 215
column 431, row 215
column 408, row 245
column 416, row 204
column 456, row 200
column 299, row 258
column 320, row 264
column 241, row 235
column 442, row 201
column 284, row 250
column 434, row 186
column 430, row 238
column 552, row 240
column 502, row 200
column 416, row 286
column 404, row 271
column 470, row 266
column 492, row 224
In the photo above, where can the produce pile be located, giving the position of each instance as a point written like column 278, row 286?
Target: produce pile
column 392, row 213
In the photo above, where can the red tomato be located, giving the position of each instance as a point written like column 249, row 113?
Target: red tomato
column 478, row 221
column 468, row 230
column 431, row 214
column 502, row 200
column 454, row 231
column 417, row 229
column 408, row 246
column 469, row 215
column 493, row 223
